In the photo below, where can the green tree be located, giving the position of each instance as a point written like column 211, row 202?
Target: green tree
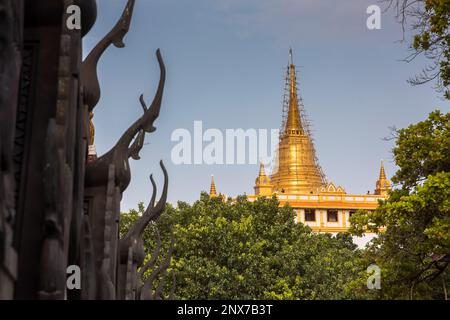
column 429, row 20
column 422, row 149
column 413, row 225
column 239, row 249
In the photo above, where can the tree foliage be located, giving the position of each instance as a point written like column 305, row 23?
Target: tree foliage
column 422, row 149
column 253, row 250
column 237, row 249
column 430, row 21
column 413, row 225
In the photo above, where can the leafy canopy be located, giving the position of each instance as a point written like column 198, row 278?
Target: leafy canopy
column 413, row 225
column 430, row 21
column 254, row 250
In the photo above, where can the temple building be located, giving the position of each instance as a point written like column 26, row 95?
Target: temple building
column 297, row 179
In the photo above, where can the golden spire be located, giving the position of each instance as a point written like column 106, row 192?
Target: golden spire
column 263, row 187
column 293, row 125
column 382, row 173
column 296, row 170
column 383, row 185
column 262, row 172
column 212, row 190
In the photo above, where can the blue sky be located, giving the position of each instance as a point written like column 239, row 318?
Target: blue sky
column 225, row 64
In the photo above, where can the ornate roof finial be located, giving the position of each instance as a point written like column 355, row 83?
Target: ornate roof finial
column 212, row 190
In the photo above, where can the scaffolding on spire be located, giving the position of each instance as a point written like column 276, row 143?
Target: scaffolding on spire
column 303, row 167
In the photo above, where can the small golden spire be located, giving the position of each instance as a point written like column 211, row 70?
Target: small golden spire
column 382, row 173
column 383, row 185
column 263, row 187
column 262, row 172
column 212, row 190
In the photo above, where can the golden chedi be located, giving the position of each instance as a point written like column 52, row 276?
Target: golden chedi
column 296, row 169
column 297, row 179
